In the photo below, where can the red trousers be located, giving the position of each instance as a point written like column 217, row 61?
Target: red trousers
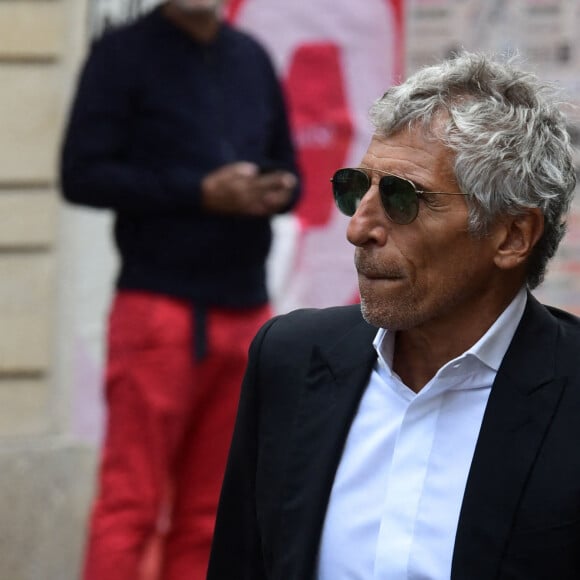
column 169, row 425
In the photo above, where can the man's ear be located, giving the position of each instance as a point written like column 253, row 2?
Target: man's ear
column 519, row 235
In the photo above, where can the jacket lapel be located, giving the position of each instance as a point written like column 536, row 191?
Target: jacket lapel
column 522, row 402
column 332, row 391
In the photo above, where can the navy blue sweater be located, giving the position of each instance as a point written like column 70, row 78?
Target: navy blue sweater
column 153, row 114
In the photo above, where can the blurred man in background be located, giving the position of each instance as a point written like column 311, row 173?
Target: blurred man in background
column 179, row 126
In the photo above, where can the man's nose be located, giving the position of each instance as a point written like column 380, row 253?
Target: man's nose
column 369, row 224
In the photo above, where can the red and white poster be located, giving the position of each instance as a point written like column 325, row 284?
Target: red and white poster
column 334, row 58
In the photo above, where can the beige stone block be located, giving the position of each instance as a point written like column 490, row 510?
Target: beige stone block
column 27, row 219
column 26, row 297
column 31, row 119
column 31, row 29
column 45, row 490
column 23, row 407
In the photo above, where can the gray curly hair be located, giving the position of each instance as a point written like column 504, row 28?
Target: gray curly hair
column 512, row 149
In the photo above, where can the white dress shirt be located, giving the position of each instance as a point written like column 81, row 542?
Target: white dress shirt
column 395, row 502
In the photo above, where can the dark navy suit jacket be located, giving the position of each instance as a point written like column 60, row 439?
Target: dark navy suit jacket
column 520, row 516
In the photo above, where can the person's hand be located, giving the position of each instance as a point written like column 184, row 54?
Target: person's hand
column 239, row 188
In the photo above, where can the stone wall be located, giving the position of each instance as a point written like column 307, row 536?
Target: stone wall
column 45, row 474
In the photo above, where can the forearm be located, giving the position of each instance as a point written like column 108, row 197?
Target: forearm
column 121, row 186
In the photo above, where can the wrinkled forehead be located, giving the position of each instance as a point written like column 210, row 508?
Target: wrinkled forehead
column 415, row 153
column 430, row 132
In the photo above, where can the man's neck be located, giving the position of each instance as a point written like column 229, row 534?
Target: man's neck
column 201, row 26
column 420, row 352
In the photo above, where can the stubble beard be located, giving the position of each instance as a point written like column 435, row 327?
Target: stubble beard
column 383, row 312
column 394, row 311
column 416, row 307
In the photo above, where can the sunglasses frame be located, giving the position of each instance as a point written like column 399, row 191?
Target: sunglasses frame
column 418, row 192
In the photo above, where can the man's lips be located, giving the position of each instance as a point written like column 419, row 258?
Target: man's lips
column 376, row 273
column 373, row 271
column 379, row 275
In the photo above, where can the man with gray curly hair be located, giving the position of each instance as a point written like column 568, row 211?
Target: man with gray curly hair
column 431, row 431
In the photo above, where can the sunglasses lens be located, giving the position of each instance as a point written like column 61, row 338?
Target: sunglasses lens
column 349, row 186
column 399, row 199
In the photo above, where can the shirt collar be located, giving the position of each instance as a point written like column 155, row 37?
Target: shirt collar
column 492, row 346
column 489, row 349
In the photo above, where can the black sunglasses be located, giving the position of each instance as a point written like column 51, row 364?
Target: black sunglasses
column 399, row 196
